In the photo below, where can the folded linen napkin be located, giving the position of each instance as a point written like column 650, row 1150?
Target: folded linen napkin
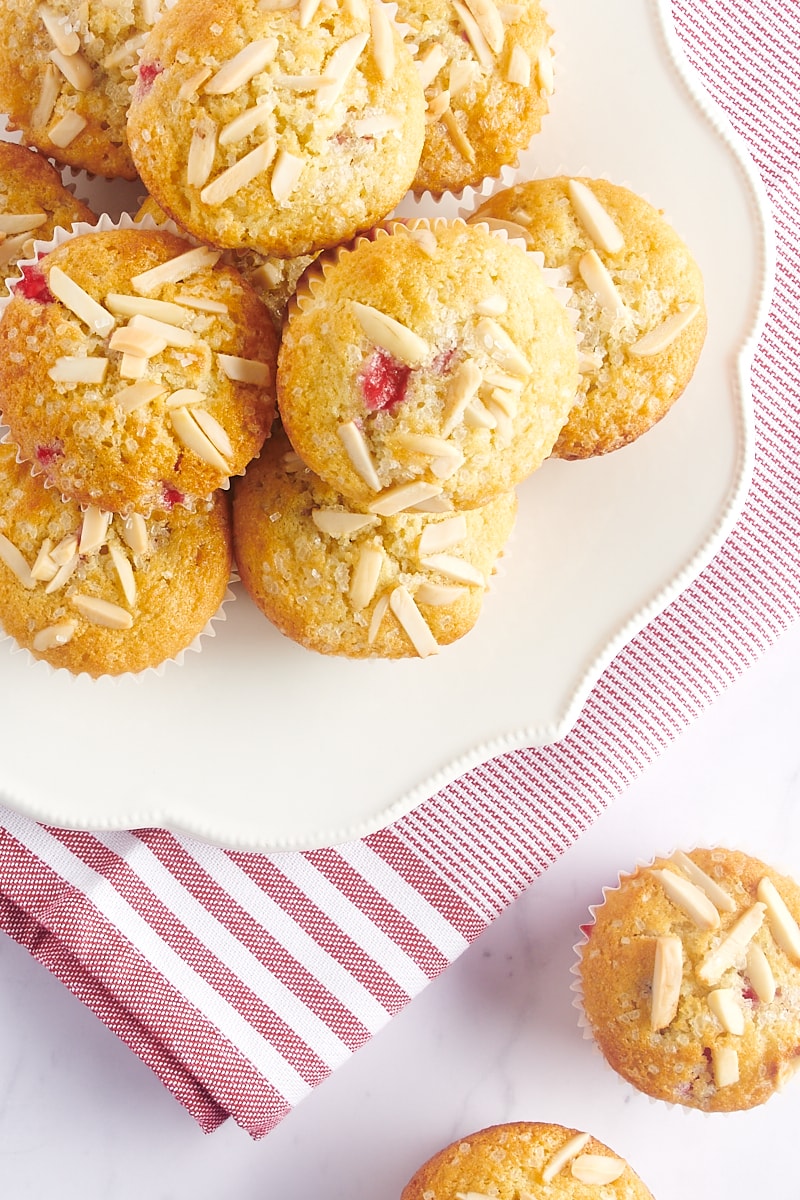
column 244, row 979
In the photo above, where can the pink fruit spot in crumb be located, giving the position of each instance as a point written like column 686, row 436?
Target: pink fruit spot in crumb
column 749, row 994
column 586, row 930
column 171, row 496
column 441, row 364
column 384, row 381
column 33, row 286
column 47, row 455
column 148, row 73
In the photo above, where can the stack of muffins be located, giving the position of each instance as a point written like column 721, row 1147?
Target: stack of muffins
column 422, row 369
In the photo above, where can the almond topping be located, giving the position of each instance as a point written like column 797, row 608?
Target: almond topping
column 15, row 561
column 74, row 68
column 80, row 302
column 160, row 310
column 51, row 86
column 733, row 947
column 492, row 306
column 44, row 568
column 666, row 333
column 689, row 899
column 559, row 1160
column 21, row 222
column 425, row 239
column 378, row 613
column 503, row 403
column 93, row 530
column 63, row 37
column 723, row 1005
column 446, row 467
column 477, row 416
column 544, row 69
column 441, row 535
column 365, row 577
column 597, row 1168
column 414, row 624
column 137, row 395
column 69, row 369
column 427, row 446
column 308, row 9
column 457, row 137
column 134, row 342
column 489, row 22
column 499, row 379
column 717, row 895
column 375, row 126
column 589, row 362
column 725, row 1063
column 357, row 450
column 127, row 580
column 400, row 341
column 175, row 270
column 434, row 504
column 201, row 303
column 782, row 924
column 439, row 595
column 276, row 5
column 184, row 397
column 340, row 64
column 437, row 106
column 759, row 972
column 102, row 612
column 303, row 83
column 150, row 11
column 475, row 36
column 382, row 40
column 215, row 432
column 54, row 635
column 454, row 568
column 463, row 74
column 335, row 523
column 189, row 87
column 667, row 978
column 191, row 436
column 244, row 370
column 599, row 282
column 600, row 227
column 245, row 124
column 63, row 574
column 181, row 339
column 501, row 348
column 519, row 67
column 461, row 389
column 285, row 175
column 202, row 152
column 134, row 532
column 239, row 175
column 132, row 366
column 64, row 132
column 398, row 499
column 66, row 549
column 430, row 63
column 240, row 69
column 125, row 55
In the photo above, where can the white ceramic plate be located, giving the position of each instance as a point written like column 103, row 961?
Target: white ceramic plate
column 257, row 743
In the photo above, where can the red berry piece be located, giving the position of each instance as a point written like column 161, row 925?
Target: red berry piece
column 148, row 73
column 33, row 286
column 170, row 496
column 384, row 381
column 47, row 455
column 441, row 364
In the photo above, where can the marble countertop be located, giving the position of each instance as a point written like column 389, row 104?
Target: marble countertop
column 493, row 1039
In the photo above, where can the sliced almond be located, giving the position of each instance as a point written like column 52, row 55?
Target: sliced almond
column 723, row 1004
column 598, row 280
column 285, row 175
column 244, row 370
column 442, row 535
column 489, row 22
column 240, row 69
column 101, row 612
column 357, row 450
column 150, row 10
column 175, row 270
column 134, row 533
column 759, row 972
column 186, row 398
column 18, row 246
column 202, row 152
column 477, row 416
column 412, row 621
column 308, row 9
column 447, row 466
column 430, row 63
column 365, row 577
column 93, row 530
column 405, row 495
column 556, row 1163
column 733, row 947
column 137, row 395
column 54, row 635
column 376, row 620
column 463, row 74
column 425, row 239
column 239, row 175
column 15, row 561
column 458, row 137
column 439, row 595
column 689, row 899
column 599, row 225
column 782, row 924
column 461, row 389
column 434, row 504
column 597, row 1169
column 201, row 303
column 725, row 1065
column 75, row 69
column 480, row 46
column 44, row 567
column 375, row 126
column 666, row 333
column 125, row 54
column 667, row 979
column 499, row 379
column 160, row 310
column 382, row 40
column 190, row 87
column 65, row 130
column 717, row 895
column 79, row 302
column 60, row 31
column 336, row 523
column 544, row 69
column 51, row 86
column 454, row 568
column 427, row 445
column 494, row 305
column 133, row 342
column 63, row 574
column 125, row 575
column 384, row 331
column 66, row 549
column 214, row 431
column 276, row 5
column 76, row 369
column 303, row 83
column 21, row 222
column 246, row 123
column 437, row 106
column 190, row 435
column 181, row 339
column 519, row 67
column 587, row 363
column 501, row 348
column 503, row 403
column 340, row 64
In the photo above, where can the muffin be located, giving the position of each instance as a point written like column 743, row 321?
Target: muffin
column 430, row 362
column 284, row 130
column 639, row 293
column 487, row 70
column 690, row 978
column 104, row 594
column 135, row 369
column 343, row 581
column 33, row 201
column 66, row 71
column 526, row 1159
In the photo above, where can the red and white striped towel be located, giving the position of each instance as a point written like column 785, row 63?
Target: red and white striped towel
column 242, row 979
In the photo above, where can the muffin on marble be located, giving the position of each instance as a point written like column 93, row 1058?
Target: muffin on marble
column 104, row 594
column 281, row 129
column 690, row 979
column 33, row 201
column 526, row 1159
column 135, row 368
column 639, row 293
column 428, row 363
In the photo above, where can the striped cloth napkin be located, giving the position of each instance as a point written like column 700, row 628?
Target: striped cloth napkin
column 243, row 980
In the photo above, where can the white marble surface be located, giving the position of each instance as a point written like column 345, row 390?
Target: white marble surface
column 493, row 1039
